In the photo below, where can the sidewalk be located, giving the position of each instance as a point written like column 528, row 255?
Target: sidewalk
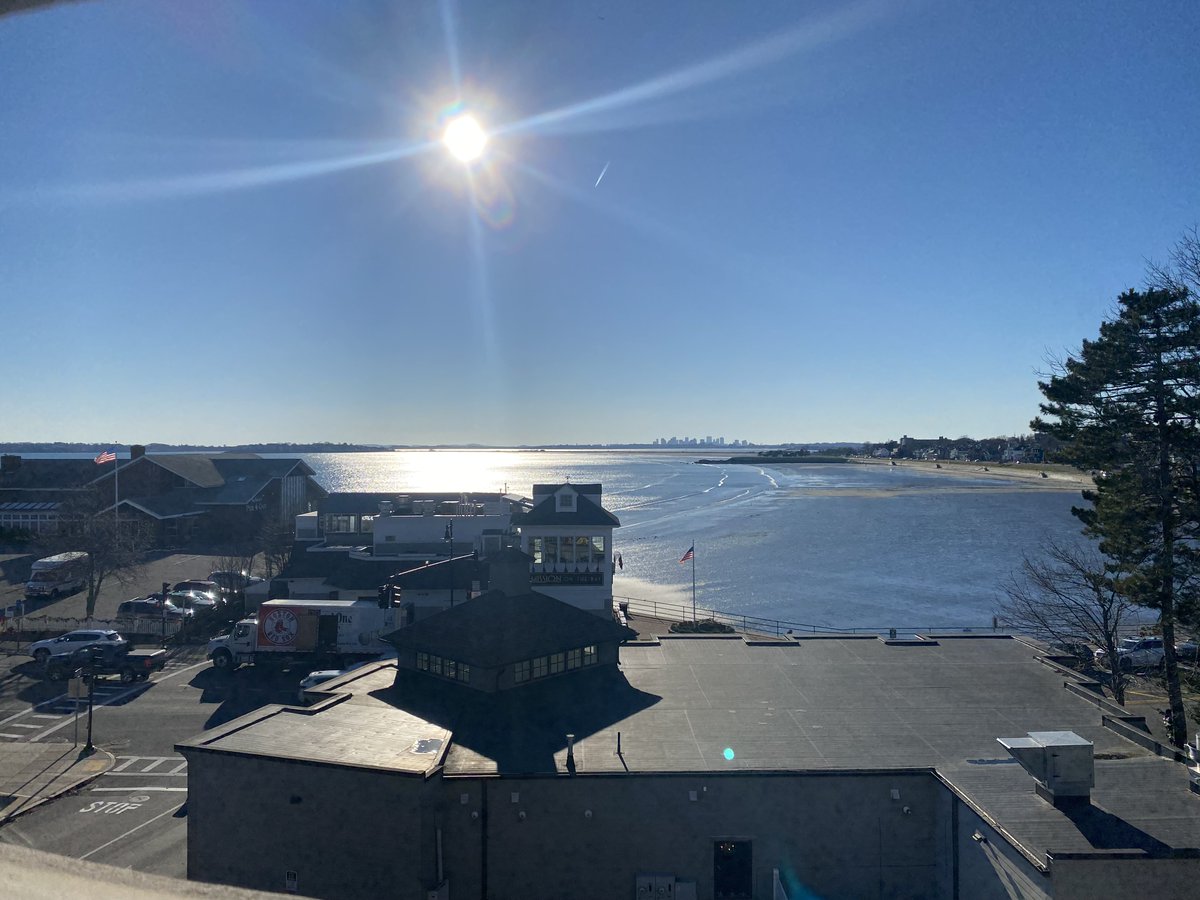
column 31, row 774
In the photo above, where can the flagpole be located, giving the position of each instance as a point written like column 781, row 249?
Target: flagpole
column 116, row 492
column 693, row 581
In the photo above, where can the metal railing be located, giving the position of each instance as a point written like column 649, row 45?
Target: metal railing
column 746, row 623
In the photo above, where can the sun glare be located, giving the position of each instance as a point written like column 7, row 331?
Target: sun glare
column 465, row 138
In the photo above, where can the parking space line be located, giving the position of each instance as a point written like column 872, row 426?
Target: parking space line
column 141, row 787
column 132, row 830
column 7, row 735
column 23, row 725
column 43, row 716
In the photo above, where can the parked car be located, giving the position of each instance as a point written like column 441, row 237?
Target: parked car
column 198, row 603
column 73, row 640
column 234, row 581
column 312, row 679
column 1076, row 649
column 1188, row 651
column 1141, row 653
column 204, row 587
column 151, row 607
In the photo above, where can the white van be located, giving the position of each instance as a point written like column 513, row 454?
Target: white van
column 56, row 576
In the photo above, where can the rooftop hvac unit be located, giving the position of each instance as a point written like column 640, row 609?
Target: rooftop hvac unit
column 1061, row 762
column 655, row 887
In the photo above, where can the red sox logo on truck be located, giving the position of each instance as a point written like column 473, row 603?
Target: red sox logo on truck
column 280, row 627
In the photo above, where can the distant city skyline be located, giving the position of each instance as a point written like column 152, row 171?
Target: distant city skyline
column 226, row 223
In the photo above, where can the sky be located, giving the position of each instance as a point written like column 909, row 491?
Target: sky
column 788, row 221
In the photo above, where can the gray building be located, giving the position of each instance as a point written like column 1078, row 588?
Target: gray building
column 707, row 767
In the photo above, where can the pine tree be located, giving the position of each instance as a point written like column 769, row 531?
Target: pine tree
column 1128, row 404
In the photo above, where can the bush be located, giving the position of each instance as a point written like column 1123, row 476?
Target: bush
column 704, row 626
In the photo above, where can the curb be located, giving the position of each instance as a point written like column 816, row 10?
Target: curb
column 58, row 788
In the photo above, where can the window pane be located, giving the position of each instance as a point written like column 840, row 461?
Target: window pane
column 423, row 662
column 589, row 655
column 435, row 665
column 598, row 548
column 539, row 667
column 551, row 550
column 573, row 658
column 521, row 672
column 566, row 550
column 556, row 663
column 537, row 549
column 464, row 672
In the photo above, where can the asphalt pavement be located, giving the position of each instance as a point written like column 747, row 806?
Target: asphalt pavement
column 126, row 805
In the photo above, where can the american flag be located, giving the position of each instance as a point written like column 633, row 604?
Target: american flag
column 106, row 457
column 689, row 555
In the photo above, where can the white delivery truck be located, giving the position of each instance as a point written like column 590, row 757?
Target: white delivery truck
column 58, row 575
column 309, row 631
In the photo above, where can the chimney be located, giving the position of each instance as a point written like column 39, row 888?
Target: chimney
column 136, row 451
column 9, row 463
column 1061, row 763
column 508, row 572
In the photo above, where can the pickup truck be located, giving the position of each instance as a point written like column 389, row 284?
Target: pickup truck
column 130, row 665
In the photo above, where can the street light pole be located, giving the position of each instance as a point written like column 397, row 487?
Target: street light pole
column 90, row 748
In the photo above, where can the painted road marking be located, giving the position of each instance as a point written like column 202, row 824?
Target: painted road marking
column 23, row 725
column 132, row 830
column 141, row 787
column 6, row 734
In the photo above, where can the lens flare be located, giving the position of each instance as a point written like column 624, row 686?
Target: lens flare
column 465, row 138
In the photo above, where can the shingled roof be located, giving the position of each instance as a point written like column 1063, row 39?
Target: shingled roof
column 587, row 512
column 495, row 629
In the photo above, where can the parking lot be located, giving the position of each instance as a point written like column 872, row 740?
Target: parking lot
column 134, row 815
column 168, row 567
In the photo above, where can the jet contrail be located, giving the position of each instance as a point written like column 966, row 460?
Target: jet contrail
column 602, row 171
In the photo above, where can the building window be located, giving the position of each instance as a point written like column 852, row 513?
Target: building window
column 539, row 667
column 598, row 548
column 551, row 556
column 521, row 671
column 566, row 550
column 574, row 658
column 464, row 673
column 339, row 524
column 589, row 655
column 556, row 663
column 537, row 549
column 583, row 550
column 435, row 665
column 423, row 662
column 566, row 501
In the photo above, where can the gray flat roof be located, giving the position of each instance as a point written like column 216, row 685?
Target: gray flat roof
column 725, row 706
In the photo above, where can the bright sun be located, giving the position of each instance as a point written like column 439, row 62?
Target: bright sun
column 464, row 138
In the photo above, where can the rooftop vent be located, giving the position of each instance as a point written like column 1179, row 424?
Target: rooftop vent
column 1061, row 762
column 385, row 507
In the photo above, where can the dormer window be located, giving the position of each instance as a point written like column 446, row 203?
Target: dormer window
column 566, row 502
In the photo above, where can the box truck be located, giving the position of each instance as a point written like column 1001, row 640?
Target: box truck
column 56, row 576
column 312, row 632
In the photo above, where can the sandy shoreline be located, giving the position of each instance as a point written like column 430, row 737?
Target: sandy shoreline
column 1052, row 478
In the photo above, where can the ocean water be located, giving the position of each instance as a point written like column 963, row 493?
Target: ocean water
column 831, row 545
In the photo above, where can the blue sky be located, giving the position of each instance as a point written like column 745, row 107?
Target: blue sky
column 226, row 222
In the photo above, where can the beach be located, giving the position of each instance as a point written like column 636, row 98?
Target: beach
column 1053, row 477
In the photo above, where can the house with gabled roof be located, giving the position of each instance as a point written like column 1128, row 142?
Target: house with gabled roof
column 568, row 536
column 178, row 496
